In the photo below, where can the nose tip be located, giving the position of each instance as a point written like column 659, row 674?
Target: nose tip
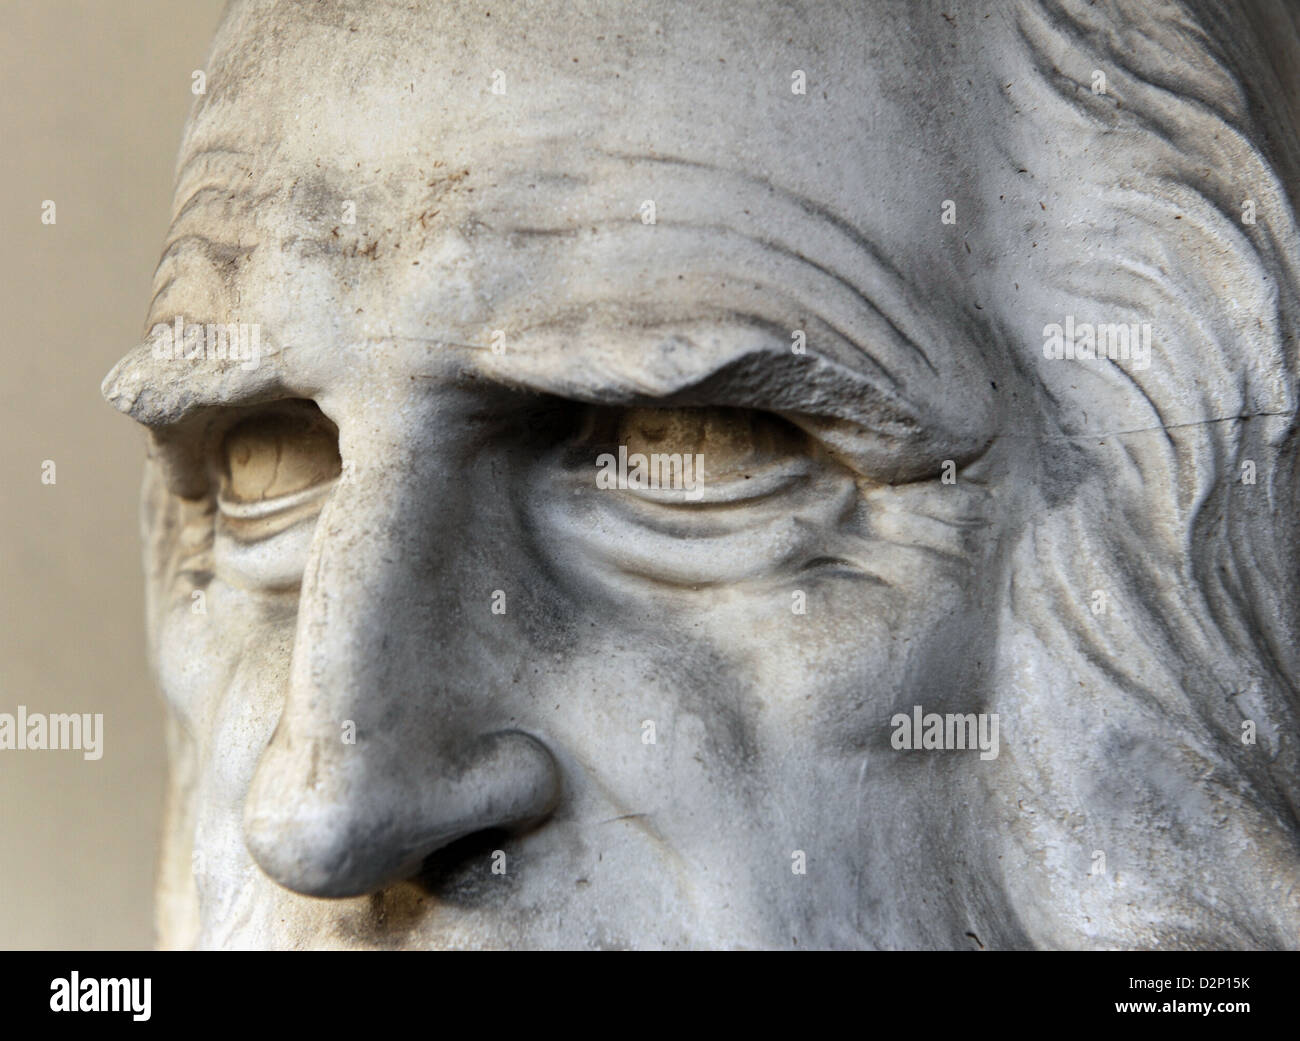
column 334, row 823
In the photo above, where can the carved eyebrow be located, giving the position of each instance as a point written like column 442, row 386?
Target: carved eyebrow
column 162, row 393
column 759, row 371
column 870, row 337
column 748, row 364
column 211, row 166
column 773, row 260
column 731, row 359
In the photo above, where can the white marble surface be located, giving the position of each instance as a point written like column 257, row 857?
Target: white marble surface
column 421, row 662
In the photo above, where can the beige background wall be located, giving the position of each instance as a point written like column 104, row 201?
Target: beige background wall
column 92, row 99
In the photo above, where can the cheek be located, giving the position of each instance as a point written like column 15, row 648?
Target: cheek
column 827, row 664
column 225, row 649
column 223, row 671
column 656, row 732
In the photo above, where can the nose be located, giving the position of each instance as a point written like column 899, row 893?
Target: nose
column 394, row 740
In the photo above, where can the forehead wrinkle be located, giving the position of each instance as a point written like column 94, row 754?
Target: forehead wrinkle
column 208, row 196
column 592, row 256
column 213, row 197
column 213, row 187
column 215, row 250
column 208, row 166
column 773, row 217
column 828, row 282
column 818, row 211
column 217, row 263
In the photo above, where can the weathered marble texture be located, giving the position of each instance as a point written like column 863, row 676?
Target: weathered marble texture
column 405, row 638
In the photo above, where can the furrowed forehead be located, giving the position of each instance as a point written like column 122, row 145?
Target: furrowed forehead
column 462, row 211
column 708, row 80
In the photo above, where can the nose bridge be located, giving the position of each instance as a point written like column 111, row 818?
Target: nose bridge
column 380, row 572
column 385, row 751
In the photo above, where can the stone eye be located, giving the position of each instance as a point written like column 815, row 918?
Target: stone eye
column 273, row 455
column 731, row 440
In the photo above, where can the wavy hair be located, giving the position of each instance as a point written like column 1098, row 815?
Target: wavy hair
column 1150, row 622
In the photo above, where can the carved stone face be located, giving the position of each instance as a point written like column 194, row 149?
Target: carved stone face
column 422, row 659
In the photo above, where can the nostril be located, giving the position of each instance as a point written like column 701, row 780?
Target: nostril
column 470, row 871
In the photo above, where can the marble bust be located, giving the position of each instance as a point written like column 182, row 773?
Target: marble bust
column 729, row 475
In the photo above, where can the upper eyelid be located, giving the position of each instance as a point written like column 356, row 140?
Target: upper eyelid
column 188, row 451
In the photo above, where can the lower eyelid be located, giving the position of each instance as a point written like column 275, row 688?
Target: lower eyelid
column 761, row 483
column 264, row 544
column 271, row 559
column 258, row 567
column 260, row 509
column 620, row 536
column 791, row 490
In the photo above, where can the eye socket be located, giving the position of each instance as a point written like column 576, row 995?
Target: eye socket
column 277, row 454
